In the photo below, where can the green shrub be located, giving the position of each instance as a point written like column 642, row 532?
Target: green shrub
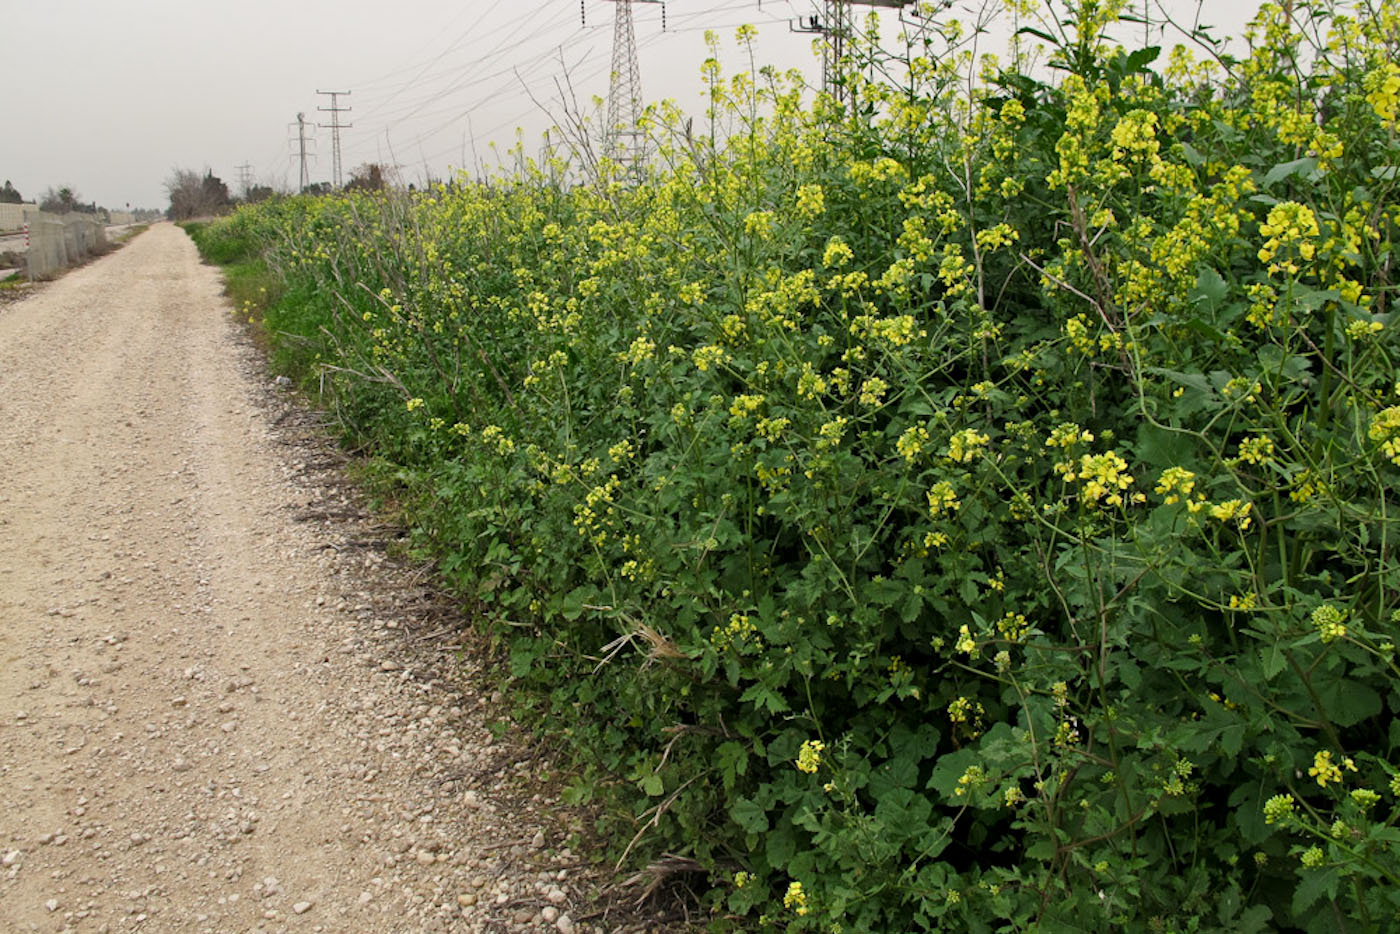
column 942, row 513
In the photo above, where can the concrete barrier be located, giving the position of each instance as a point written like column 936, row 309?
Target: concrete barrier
column 57, row 241
column 13, row 216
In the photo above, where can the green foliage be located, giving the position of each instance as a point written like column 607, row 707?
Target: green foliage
column 945, row 512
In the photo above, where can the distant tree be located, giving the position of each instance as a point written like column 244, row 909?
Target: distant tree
column 60, row 201
column 317, row 188
column 259, row 193
column 195, row 195
column 8, row 195
column 368, row 177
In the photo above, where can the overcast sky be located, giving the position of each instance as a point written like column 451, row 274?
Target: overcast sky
column 108, row 97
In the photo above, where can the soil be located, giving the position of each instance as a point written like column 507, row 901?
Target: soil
column 222, row 707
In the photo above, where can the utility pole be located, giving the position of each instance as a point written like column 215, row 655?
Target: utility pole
column 836, row 27
column 626, row 141
column 335, row 127
column 245, row 179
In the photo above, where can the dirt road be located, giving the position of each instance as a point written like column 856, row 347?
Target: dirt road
column 210, row 716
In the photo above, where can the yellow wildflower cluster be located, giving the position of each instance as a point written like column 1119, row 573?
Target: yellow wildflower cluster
column 966, row 644
column 1258, row 449
column 1177, row 484
column 1233, row 510
column 837, row 254
column 942, row 499
column 1329, row 622
column 872, row 391
column 1081, row 338
column 1067, row 434
column 494, row 436
column 641, row 350
column 973, row 778
column 1105, row 477
column 1289, row 225
column 831, row 432
column 1385, row 430
column 966, row 445
column 759, row 224
column 708, row 356
column 1328, row 772
column 811, row 201
column 912, row 442
column 796, row 899
column 809, row 757
column 739, row 631
column 1013, row 627
column 965, row 710
column 744, row 405
column 1383, row 92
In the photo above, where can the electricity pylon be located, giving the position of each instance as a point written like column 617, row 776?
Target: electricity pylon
column 626, row 142
column 335, row 126
column 836, row 26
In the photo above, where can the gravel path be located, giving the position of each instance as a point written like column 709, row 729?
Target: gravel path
column 221, row 709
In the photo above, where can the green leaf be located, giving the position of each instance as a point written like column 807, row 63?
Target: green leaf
column 899, row 772
column 1139, row 60
column 732, row 760
column 1314, row 884
column 749, row 815
column 1039, row 34
column 760, row 695
column 1347, row 702
column 1288, row 169
column 1255, row 920
column 950, row 768
column 1210, row 286
column 652, row 786
column 1232, row 739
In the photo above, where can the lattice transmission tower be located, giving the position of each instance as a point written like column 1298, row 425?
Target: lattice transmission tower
column 836, row 25
column 335, row 126
column 626, row 142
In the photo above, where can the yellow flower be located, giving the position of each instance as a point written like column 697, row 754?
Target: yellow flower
column 1256, row 450
column 837, row 254
column 1385, row 428
column 811, row 201
column 911, row 443
column 1232, row 509
column 708, row 356
column 796, row 899
column 1175, row 484
column 941, row 499
column 872, row 391
column 965, row 644
column 1330, row 623
column 965, row 445
column 1325, row 770
column 759, row 224
column 809, row 757
column 1106, row 478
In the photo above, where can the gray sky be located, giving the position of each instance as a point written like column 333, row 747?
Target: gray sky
column 109, row 97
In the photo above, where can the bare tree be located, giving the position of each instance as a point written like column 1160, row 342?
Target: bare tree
column 368, row 177
column 195, row 195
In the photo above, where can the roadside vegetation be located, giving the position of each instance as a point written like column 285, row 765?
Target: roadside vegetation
column 962, row 509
